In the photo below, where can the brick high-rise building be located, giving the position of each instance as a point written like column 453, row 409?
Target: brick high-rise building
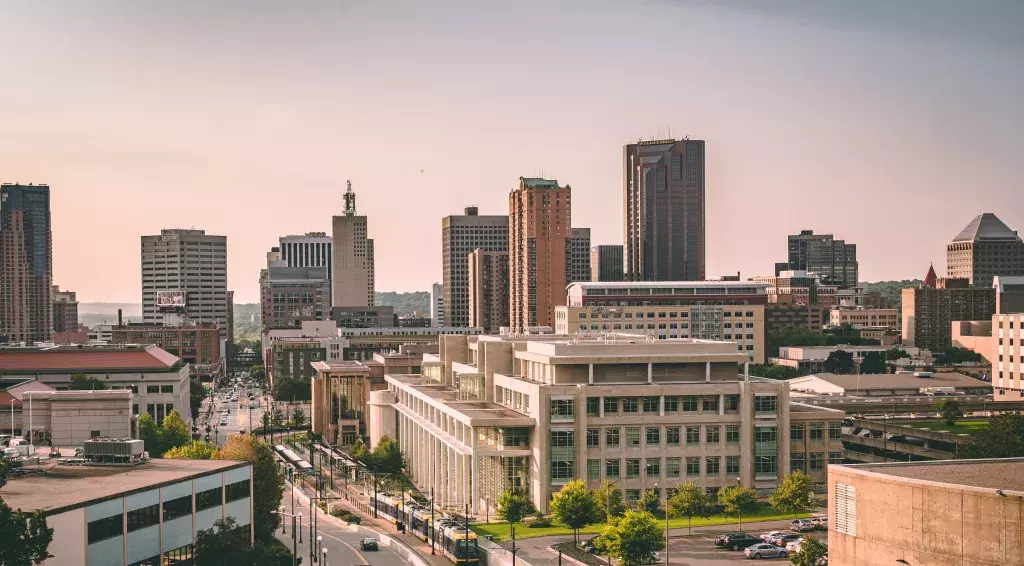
column 185, row 271
column 290, row 295
column 984, row 249
column 488, row 290
column 65, row 310
column 460, row 235
column 834, row 261
column 352, row 281
column 606, row 263
column 929, row 311
column 540, row 251
column 26, row 263
column 663, row 210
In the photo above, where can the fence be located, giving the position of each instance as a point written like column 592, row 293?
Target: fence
column 493, row 554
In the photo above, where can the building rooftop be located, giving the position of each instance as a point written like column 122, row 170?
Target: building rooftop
column 890, row 381
column 667, row 284
column 62, row 488
column 1008, row 284
column 63, row 359
column 1004, row 473
column 341, row 366
column 538, row 183
column 986, row 227
column 474, row 412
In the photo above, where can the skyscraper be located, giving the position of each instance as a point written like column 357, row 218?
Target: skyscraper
column 26, row 263
column 834, row 261
column 65, row 310
column 352, row 282
column 984, row 249
column 579, row 257
column 185, row 271
column 540, row 251
column 606, row 263
column 488, row 290
column 663, row 210
column 437, row 305
column 312, row 249
column 460, row 235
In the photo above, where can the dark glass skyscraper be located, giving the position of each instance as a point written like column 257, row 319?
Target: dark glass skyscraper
column 26, row 263
column 833, row 260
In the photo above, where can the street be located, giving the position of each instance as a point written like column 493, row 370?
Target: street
column 238, row 417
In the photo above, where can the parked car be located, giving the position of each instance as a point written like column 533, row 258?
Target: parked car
column 368, row 544
column 785, row 538
column 820, row 523
column 737, row 541
column 764, row 550
column 802, row 525
column 767, row 537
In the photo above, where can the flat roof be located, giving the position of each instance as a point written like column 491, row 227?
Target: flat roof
column 493, row 413
column 341, row 366
column 1000, row 473
column 63, row 488
column 64, row 359
column 894, row 380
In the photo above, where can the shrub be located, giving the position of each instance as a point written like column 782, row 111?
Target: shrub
column 539, row 523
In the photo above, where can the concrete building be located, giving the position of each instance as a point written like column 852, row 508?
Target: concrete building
column 856, row 297
column 779, row 318
column 707, row 310
column 312, row 249
column 69, row 418
column 292, row 357
column 341, row 393
column 801, row 288
column 461, row 235
column 865, row 318
column 26, row 257
column 886, row 385
column 352, row 277
column 834, row 261
column 579, row 263
column 364, row 317
column 664, row 210
column 812, row 358
column 158, row 380
column 196, row 344
column 414, row 321
column 145, row 514
column 361, row 344
column 488, row 290
column 437, row 305
column 1007, row 356
column 491, row 413
column 185, row 272
column 65, row 310
column 984, row 249
column 290, row 295
column 945, row 512
column 540, row 251
column 928, row 313
column 606, row 263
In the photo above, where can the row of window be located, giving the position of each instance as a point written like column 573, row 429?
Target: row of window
column 662, row 314
column 813, row 461
column 651, row 405
column 815, row 431
column 653, row 436
column 652, row 467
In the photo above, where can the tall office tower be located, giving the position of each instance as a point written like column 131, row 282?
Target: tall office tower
column 26, row 263
column 833, row 260
column 663, row 210
column 488, row 290
column 290, row 295
column 312, row 249
column 540, row 220
column 984, row 249
column 186, row 272
column 352, row 283
column 579, row 255
column 65, row 310
column 437, row 305
column 606, row 263
column 460, row 235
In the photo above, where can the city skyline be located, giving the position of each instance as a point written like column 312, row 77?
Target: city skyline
column 113, row 129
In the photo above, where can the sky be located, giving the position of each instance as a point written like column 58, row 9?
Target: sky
column 889, row 124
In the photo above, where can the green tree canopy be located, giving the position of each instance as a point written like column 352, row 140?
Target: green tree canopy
column 298, row 417
column 1002, row 438
column 608, row 499
column 574, row 507
column 293, row 390
column 634, row 537
column 794, row 495
column 513, row 506
column 386, row 457
column 24, row 537
column 195, row 450
column 149, row 433
column 873, row 362
column 894, row 354
column 949, row 410
column 174, row 432
column 839, row 362
column 196, row 394
column 811, row 553
column 737, row 501
column 268, row 483
column 80, row 382
column 277, row 417
column 955, row 355
column 773, row 371
column 690, row 501
column 648, row 501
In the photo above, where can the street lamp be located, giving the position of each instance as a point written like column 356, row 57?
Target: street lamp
column 300, row 526
column 324, row 551
column 319, row 541
column 739, row 512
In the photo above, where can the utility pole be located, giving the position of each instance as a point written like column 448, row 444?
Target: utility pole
column 432, row 529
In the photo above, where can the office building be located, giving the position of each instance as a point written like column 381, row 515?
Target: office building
column 460, row 235
column 144, row 514
column 886, row 385
column 437, row 305
column 488, row 290
column 65, row 310
column 352, row 277
column 26, row 263
column 928, row 312
column 856, row 297
column 579, row 266
column 414, row 321
column 811, row 359
column 493, row 413
column 706, row 310
column 196, row 344
column 360, row 344
column 802, row 288
column 291, row 357
column 540, row 251
column 865, row 318
column 938, row 512
column 365, row 317
column 834, row 261
column 664, row 210
column 290, row 295
column 185, row 272
column 312, row 249
column 341, row 392
column 780, row 317
column 606, row 263
column 984, row 249
column 1007, row 357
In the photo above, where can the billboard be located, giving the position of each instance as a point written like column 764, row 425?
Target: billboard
column 170, row 301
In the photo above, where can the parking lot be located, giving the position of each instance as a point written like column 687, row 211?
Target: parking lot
column 699, row 549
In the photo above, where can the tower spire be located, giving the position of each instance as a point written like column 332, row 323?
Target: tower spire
column 350, row 200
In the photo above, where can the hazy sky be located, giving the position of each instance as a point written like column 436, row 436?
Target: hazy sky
column 890, row 124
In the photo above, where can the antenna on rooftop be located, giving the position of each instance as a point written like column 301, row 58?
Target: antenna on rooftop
column 350, row 200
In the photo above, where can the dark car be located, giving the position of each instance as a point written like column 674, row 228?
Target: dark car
column 737, row 541
column 368, row 544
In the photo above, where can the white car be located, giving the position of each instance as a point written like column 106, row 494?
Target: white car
column 772, row 534
column 794, row 546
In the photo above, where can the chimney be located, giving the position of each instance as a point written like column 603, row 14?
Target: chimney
column 119, row 323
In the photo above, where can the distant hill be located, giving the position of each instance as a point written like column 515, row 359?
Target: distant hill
column 405, row 303
column 132, row 310
column 892, row 289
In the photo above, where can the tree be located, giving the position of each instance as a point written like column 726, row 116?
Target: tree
column 196, row 394
column 265, row 422
column 574, row 507
column 873, row 362
column 174, row 432
column 634, row 537
column 359, row 451
column 195, row 450
column 690, row 501
column 81, row 382
column 268, row 483
column 386, row 457
column 955, row 355
column 1002, row 438
column 812, row 552
column 277, row 417
column 24, row 537
column 894, row 354
column 293, row 390
column 513, row 506
column 794, row 495
column 298, row 417
column 149, row 433
column 772, row 371
column 737, row 501
column 648, row 501
column 839, row 362
column 222, row 545
column 949, row 410
column 608, row 499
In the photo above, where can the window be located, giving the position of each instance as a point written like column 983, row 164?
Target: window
column 692, row 435
column 102, row 529
column 672, row 466
column 672, row 435
column 653, row 467
column 153, row 389
column 732, row 403
column 593, row 438
column 632, row 437
column 796, row 431
column 166, row 389
column 632, row 495
column 712, row 465
column 766, row 448
column 692, row 467
column 630, row 404
column 593, row 469
column 709, row 404
column 611, row 406
column 653, row 436
column 835, row 431
column 207, row 499
column 817, row 461
column 611, row 468
column 633, row 468
column 593, row 406
column 651, row 405
column 765, row 405
column 817, row 432
column 732, row 434
column 179, row 507
column 563, row 410
column 563, row 454
column 835, row 457
column 713, row 435
column 236, row 491
column 732, row 465
column 611, row 437
column 144, row 517
column 689, row 403
column 796, row 461
column 671, row 404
